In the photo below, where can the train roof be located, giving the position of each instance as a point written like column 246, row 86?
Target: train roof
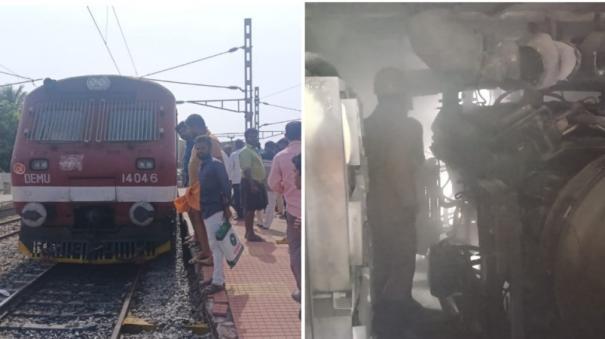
column 96, row 85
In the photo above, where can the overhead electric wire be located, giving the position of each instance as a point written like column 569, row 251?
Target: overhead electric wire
column 282, row 107
column 16, row 75
column 18, row 83
column 104, row 41
column 107, row 23
column 230, row 50
column 197, row 84
column 281, row 91
column 7, row 69
column 277, row 122
column 125, row 42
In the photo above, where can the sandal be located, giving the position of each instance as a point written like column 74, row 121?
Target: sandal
column 191, row 242
column 205, row 283
column 206, row 261
column 254, row 238
column 212, row 289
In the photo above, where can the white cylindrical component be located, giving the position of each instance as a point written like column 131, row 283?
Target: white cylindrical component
column 141, row 213
column 33, row 214
column 569, row 60
column 560, row 60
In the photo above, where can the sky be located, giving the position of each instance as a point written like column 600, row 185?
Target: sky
column 41, row 40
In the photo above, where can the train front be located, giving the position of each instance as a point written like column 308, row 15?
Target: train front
column 94, row 170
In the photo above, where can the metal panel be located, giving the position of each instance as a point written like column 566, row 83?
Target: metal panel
column 326, row 208
column 330, row 323
column 351, row 111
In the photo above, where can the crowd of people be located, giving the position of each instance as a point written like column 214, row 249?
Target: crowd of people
column 255, row 183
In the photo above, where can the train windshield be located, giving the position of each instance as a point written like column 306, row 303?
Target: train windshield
column 98, row 121
column 60, row 122
column 130, row 122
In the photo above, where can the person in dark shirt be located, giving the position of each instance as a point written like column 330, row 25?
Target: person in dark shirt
column 270, row 150
column 214, row 199
column 395, row 154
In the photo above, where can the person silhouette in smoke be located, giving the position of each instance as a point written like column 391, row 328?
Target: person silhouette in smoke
column 394, row 148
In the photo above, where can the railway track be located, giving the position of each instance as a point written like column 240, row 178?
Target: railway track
column 9, row 227
column 7, row 210
column 70, row 301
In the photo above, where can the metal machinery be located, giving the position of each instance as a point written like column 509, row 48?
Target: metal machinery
column 94, row 170
column 530, row 171
column 533, row 167
column 337, row 271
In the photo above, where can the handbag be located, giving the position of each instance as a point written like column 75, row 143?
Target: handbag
column 229, row 243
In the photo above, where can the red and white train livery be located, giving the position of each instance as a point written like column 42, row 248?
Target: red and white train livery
column 94, row 170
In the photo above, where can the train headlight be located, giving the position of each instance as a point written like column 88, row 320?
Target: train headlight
column 33, row 214
column 38, row 164
column 145, row 164
column 141, row 213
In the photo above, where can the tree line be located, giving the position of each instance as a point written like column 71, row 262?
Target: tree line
column 11, row 100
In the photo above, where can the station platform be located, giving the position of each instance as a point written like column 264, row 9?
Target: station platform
column 257, row 298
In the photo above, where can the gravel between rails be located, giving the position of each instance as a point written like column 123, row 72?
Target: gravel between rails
column 13, row 264
column 9, row 227
column 73, row 296
column 164, row 298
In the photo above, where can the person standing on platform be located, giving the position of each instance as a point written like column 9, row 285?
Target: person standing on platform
column 214, row 197
column 185, row 133
column 197, row 126
column 395, row 153
column 283, row 179
column 265, row 217
column 254, row 194
column 281, row 208
column 236, row 178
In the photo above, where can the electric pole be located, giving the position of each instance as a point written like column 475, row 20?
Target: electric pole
column 248, row 73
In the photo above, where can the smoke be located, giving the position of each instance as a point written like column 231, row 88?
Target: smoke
column 359, row 46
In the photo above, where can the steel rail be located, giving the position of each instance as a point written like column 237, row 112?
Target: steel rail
column 4, row 304
column 6, row 211
column 8, row 221
column 9, row 234
column 126, row 305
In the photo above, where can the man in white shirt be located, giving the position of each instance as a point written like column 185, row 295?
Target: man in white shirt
column 235, row 174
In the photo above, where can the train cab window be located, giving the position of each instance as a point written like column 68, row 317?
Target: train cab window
column 94, row 120
column 132, row 122
column 61, row 124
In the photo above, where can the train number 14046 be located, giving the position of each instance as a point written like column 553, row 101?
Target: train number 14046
column 139, row 178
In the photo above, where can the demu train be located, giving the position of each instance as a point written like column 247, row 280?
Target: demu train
column 94, row 170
